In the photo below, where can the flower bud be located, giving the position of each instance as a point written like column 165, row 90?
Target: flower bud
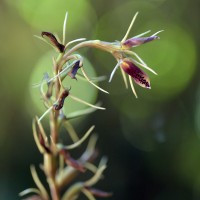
column 136, row 41
column 74, row 70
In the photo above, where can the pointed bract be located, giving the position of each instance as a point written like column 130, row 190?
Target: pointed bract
column 136, row 73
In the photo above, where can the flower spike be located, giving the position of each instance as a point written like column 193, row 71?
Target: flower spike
column 59, row 167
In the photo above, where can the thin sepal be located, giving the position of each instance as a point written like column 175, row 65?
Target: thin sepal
column 39, row 184
column 90, row 148
column 142, row 63
column 76, row 164
column 88, row 79
column 45, row 113
column 47, row 42
column 113, row 71
column 132, row 86
column 124, row 78
column 28, row 191
column 79, row 142
column 88, row 194
column 86, row 103
column 64, row 27
column 157, row 33
column 35, row 135
column 96, row 177
column 73, row 191
column 73, row 41
column 98, row 193
column 142, row 34
column 80, row 113
column 130, row 26
column 41, row 128
column 93, row 79
column 71, row 131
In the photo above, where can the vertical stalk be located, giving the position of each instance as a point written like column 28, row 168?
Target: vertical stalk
column 50, row 160
column 50, row 170
column 54, row 114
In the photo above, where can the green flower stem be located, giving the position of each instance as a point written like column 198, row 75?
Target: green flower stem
column 50, row 165
column 105, row 46
column 54, row 114
column 50, row 168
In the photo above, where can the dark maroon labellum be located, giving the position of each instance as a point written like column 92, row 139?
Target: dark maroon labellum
column 136, row 73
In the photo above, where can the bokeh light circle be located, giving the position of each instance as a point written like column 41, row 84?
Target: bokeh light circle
column 49, row 14
column 79, row 88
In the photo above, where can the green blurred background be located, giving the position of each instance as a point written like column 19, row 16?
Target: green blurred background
column 153, row 143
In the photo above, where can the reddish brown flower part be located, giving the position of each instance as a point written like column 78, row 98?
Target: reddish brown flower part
column 54, row 41
column 72, row 162
column 136, row 73
column 61, row 100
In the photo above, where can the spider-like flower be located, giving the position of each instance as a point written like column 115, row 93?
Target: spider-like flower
column 121, row 51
